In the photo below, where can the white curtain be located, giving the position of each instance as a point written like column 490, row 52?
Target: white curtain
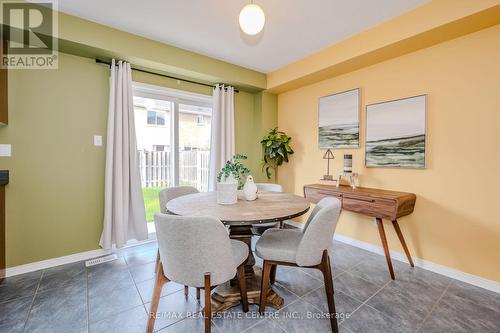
column 222, row 141
column 124, row 214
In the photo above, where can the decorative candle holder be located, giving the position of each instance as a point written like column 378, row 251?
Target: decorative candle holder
column 347, row 163
column 351, row 176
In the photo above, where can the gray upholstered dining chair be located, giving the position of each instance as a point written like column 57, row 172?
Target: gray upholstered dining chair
column 302, row 248
column 197, row 252
column 171, row 193
column 259, row 229
column 165, row 196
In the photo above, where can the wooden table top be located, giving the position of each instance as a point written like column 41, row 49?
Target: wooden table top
column 268, row 207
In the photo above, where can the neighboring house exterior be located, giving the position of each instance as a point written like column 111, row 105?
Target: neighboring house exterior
column 153, row 128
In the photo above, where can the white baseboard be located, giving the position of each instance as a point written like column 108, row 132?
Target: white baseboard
column 35, row 266
column 425, row 264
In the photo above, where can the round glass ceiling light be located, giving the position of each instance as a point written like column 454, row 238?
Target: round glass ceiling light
column 252, row 19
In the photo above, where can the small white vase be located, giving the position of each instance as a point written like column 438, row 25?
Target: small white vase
column 250, row 189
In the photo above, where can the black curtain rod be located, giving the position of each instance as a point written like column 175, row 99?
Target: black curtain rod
column 99, row 61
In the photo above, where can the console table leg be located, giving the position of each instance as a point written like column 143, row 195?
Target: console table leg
column 381, row 231
column 402, row 240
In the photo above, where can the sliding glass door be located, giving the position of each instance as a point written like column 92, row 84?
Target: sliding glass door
column 173, row 140
column 194, row 145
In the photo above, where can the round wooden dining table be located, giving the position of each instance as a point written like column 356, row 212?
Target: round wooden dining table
column 239, row 217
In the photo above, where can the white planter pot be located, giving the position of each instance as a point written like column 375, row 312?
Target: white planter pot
column 227, row 193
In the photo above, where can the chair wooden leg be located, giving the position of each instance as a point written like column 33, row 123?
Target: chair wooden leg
column 273, row 273
column 381, row 231
column 186, row 291
column 327, row 276
column 402, row 240
column 243, row 287
column 198, row 294
column 208, row 304
column 264, row 286
column 159, row 282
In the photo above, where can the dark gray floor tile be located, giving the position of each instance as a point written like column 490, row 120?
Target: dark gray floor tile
column 19, row 286
column 173, row 308
column 316, row 273
column 146, row 289
column 141, row 258
column 266, row 326
column 288, row 296
column 113, row 302
column 344, row 329
column 301, row 316
column 296, row 281
column 368, row 319
column 13, row 314
column 345, row 257
column 344, row 304
column 409, row 302
column 375, row 269
column 235, row 320
column 457, row 314
column 130, row 321
column 137, row 249
column 478, row 295
column 105, row 282
column 191, row 325
column 355, row 286
column 421, row 277
column 143, row 272
column 62, row 276
column 59, row 310
column 399, row 306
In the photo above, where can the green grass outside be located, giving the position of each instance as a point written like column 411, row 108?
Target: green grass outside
column 151, row 201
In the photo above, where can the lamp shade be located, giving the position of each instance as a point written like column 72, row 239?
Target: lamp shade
column 252, row 19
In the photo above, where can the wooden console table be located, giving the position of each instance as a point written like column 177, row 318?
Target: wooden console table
column 377, row 203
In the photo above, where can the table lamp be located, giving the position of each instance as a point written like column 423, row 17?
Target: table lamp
column 328, row 156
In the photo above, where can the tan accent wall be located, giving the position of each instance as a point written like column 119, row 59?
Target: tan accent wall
column 456, row 220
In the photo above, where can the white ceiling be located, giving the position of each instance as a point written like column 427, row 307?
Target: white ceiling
column 293, row 30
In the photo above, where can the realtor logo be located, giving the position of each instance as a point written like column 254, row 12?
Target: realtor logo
column 29, row 34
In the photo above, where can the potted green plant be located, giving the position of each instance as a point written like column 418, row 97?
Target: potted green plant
column 276, row 149
column 231, row 178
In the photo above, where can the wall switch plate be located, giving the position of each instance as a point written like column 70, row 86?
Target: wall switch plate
column 5, row 150
column 97, row 140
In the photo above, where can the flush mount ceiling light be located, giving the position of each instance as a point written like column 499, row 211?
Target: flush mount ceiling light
column 252, row 19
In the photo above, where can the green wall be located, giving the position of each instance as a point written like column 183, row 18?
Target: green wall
column 55, row 197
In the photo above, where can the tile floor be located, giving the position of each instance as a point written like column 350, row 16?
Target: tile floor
column 115, row 297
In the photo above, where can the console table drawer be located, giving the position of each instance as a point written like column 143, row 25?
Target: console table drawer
column 375, row 207
column 315, row 195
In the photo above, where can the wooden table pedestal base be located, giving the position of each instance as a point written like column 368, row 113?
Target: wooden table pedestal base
column 227, row 295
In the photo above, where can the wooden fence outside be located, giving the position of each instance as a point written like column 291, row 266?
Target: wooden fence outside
column 193, row 168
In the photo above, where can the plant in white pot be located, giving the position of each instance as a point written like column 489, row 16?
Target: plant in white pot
column 231, row 178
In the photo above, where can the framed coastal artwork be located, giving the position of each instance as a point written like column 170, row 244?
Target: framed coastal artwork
column 339, row 120
column 396, row 133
